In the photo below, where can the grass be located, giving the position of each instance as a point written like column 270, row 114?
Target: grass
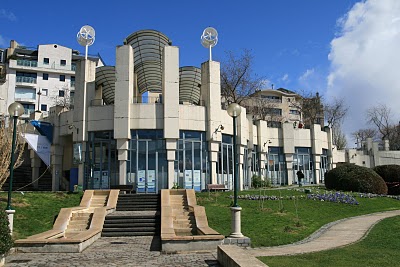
column 379, row 248
column 35, row 212
column 279, row 222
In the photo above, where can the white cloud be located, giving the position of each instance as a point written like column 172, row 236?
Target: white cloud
column 365, row 59
column 7, row 15
column 306, row 74
column 285, row 78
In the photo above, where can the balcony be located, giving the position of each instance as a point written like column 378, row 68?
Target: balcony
column 72, row 83
column 27, row 81
column 38, row 66
column 27, row 63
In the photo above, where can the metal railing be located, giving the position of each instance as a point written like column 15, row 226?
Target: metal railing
column 22, row 79
column 36, row 64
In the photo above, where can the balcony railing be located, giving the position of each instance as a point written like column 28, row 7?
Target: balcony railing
column 36, row 64
column 22, row 79
column 27, row 63
column 72, row 83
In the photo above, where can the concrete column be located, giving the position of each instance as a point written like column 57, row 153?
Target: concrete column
column 316, row 150
column 213, row 148
column 124, row 87
column 288, row 149
column 84, row 93
column 122, row 147
column 210, row 94
column 170, row 145
column 170, row 95
column 56, row 161
column 35, row 164
column 317, row 170
column 171, row 92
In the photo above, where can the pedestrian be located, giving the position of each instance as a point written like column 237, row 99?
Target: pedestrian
column 300, row 175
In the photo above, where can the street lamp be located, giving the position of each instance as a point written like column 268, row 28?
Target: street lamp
column 15, row 110
column 234, row 111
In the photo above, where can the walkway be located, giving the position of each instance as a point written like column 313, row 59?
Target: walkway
column 116, row 251
column 145, row 251
column 333, row 235
column 337, row 234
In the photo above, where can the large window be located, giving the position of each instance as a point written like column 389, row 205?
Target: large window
column 191, row 161
column 324, row 165
column 225, row 168
column 101, row 165
column 26, row 77
column 302, row 161
column 276, row 166
column 147, row 161
column 25, row 93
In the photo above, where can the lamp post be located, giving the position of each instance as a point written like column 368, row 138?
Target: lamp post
column 15, row 110
column 234, row 111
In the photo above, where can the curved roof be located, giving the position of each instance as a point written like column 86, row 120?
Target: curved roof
column 105, row 76
column 189, row 84
column 148, row 48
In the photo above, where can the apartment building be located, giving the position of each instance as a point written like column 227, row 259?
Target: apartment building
column 38, row 78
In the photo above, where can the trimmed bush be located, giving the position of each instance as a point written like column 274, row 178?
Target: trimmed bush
column 350, row 177
column 257, row 182
column 391, row 175
column 6, row 241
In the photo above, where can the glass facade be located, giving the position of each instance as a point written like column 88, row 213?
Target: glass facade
column 147, row 161
column 276, row 166
column 225, row 168
column 324, row 165
column 302, row 161
column 101, row 164
column 191, row 161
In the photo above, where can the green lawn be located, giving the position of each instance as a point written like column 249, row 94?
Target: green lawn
column 380, row 248
column 35, row 212
column 277, row 222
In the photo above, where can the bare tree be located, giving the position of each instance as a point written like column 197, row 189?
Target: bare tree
column 6, row 134
column 262, row 109
column 339, row 138
column 310, row 107
column 65, row 100
column 380, row 116
column 335, row 111
column 362, row 134
column 238, row 81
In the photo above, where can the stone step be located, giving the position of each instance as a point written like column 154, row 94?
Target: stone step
column 119, row 234
column 127, row 221
column 130, row 229
column 78, row 222
column 137, row 209
column 130, row 225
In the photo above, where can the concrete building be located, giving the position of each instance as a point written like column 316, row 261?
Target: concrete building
column 38, row 78
column 151, row 124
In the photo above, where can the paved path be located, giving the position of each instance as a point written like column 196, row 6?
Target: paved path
column 333, row 235
column 116, row 251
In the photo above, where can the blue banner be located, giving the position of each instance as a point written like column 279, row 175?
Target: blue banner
column 44, row 128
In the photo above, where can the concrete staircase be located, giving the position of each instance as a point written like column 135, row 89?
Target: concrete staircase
column 79, row 222
column 184, row 220
column 136, row 215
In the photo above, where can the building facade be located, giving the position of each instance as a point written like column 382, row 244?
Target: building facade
column 149, row 123
column 38, row 78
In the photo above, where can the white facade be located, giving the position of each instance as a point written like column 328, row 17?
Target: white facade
column 38, row 78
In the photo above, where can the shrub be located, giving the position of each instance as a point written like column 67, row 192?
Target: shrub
column 257, row 181
column 6, row 241
column 391, row 175
column 350, row 177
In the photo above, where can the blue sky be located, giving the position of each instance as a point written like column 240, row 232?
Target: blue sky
column 308, row 45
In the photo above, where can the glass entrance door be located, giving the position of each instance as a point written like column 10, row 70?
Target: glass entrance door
column 302, row 161
column 147, row 164
column 276, row 170
column 225, row 165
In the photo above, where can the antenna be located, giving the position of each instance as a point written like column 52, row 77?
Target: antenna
column 209, row 38
column 85, row 37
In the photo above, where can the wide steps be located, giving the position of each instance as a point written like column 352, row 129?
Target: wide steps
column 117, row 234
